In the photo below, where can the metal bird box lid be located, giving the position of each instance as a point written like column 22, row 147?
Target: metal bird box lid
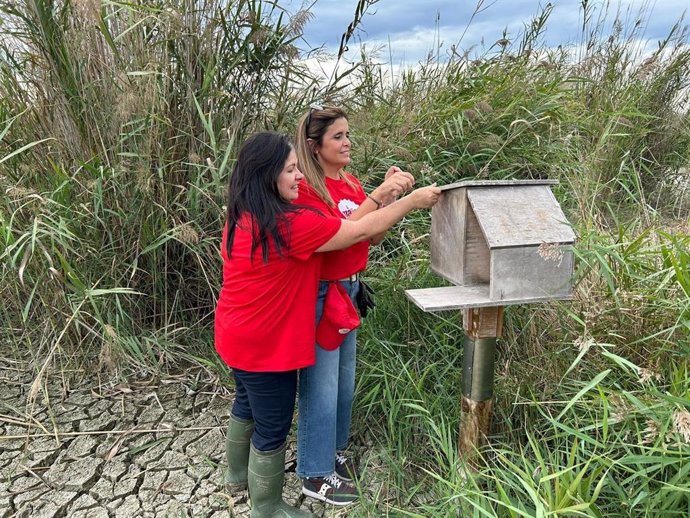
column 499, row 242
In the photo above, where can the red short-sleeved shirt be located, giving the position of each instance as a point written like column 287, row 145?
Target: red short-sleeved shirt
column 264, row 320
column 339, row 264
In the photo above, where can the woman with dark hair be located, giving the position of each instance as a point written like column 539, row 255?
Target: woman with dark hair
column 264, row 322
column 326, row 389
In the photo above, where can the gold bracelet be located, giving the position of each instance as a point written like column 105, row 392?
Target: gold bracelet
column 377, row 202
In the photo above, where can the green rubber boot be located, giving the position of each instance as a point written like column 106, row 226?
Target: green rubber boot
column 237, row 453
column 266, row 477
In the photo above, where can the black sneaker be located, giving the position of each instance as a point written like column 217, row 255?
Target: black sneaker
column 330, row 489
column 344, row 467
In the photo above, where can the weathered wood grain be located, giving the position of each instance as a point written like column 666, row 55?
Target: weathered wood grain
column 519, row 215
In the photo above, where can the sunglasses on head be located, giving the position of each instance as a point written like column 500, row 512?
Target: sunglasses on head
column 313, row 107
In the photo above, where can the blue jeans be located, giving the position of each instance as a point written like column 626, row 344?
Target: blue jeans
column 269, row 399
column 326, row 392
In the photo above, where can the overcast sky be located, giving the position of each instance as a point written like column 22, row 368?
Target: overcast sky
column 413, row 27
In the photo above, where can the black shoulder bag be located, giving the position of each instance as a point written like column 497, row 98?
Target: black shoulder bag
column 365, row 298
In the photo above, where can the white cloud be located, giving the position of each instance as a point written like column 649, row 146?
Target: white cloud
column 415, row 27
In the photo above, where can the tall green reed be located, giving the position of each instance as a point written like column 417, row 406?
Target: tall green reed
column 610, row 124
column 118, row 127
column 120, row 124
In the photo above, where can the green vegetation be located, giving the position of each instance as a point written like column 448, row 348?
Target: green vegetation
column 119, row 123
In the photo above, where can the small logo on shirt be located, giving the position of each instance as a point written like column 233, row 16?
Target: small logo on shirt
column 347, row 207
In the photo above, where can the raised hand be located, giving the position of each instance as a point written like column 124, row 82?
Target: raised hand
column 392, row 170
column 426, row 197
column 397, row 182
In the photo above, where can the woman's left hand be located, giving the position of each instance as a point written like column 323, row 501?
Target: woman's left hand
column 391, row 171
column 395, row 183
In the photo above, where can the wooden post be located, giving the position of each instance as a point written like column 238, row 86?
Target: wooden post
column 482, row 327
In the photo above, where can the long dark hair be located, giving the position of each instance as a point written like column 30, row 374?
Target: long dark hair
column 253, row 190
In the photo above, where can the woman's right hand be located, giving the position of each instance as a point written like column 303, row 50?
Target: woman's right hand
column 393, row 186
column 426, row 197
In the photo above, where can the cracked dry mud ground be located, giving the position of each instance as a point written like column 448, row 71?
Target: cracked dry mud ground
column 144, row 449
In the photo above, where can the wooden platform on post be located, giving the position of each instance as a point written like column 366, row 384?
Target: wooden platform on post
column 500, row 243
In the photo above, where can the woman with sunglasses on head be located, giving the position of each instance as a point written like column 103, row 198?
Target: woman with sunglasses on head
column 326, row 389
column 264, row 327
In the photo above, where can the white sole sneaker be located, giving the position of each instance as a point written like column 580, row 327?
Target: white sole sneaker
column 325, row 498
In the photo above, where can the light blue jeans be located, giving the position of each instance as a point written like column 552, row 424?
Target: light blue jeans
column 326, row 392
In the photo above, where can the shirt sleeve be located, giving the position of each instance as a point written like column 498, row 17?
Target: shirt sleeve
column 309, row 230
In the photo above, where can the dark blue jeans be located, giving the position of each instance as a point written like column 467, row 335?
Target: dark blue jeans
column 269, row 399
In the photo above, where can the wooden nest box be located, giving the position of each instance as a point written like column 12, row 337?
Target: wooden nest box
column 500, row 243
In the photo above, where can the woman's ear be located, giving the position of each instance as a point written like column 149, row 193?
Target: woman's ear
column 313, row 146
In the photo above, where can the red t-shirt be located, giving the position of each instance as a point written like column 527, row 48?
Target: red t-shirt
column 264, row 320
column 339, row 264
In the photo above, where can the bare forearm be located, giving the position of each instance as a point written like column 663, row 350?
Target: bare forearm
column 369, row 205
column 377, row 223
column 370, row 225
